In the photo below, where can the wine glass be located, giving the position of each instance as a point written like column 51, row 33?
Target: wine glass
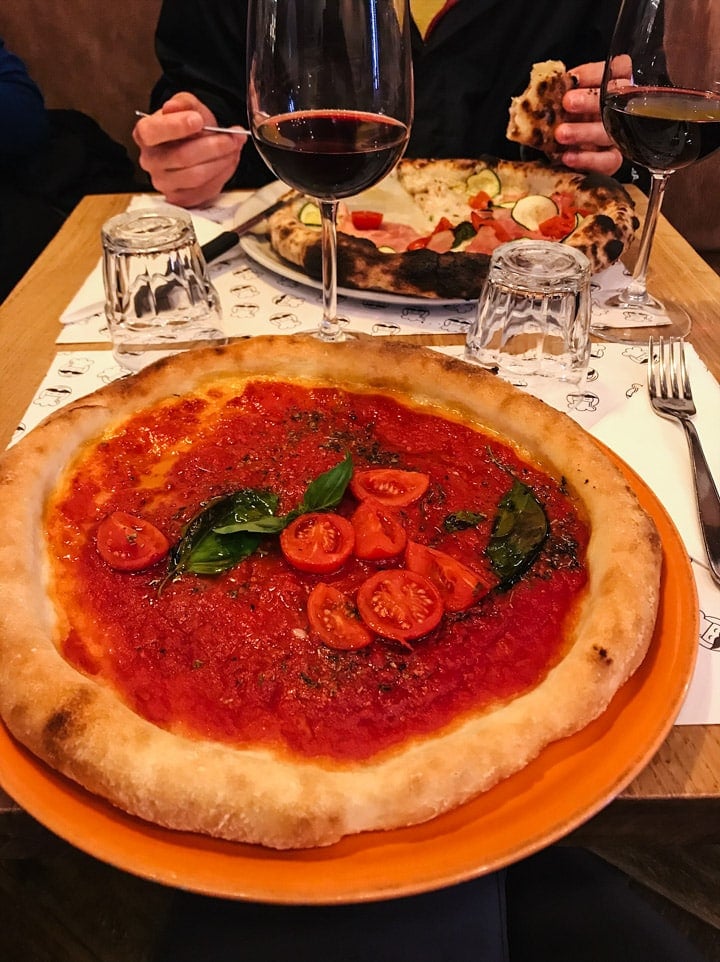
column 660, row 101
column 330, row 103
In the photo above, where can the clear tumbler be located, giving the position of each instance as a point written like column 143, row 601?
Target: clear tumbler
column 158, row 297
column 533, row 314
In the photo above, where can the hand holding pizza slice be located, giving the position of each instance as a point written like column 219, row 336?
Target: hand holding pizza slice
column 559, row 114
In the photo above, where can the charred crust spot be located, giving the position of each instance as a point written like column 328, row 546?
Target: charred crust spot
column 613, row 249
column 446, row 275
column 602, row 655
column 605, row 223
column 605, row 188
column 423, row 272
column 312, row 262
column 65, row 723
column 58, row 724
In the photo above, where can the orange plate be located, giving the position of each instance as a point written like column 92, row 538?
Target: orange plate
column 568, row 783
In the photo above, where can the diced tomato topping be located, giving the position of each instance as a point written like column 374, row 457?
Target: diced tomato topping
column 480, row 201
column 479, row 219
column 389, row 486
column 318, row 542
column 442, row 224
column 334, row 619
column 564, row 200
column 366, row 219
column 559, row 226
column 420, row 243
column 458, row 585
column 399, row 604
column 128, row 543
column 378, row 533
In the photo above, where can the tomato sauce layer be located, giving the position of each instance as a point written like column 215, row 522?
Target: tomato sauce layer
column 232, row 657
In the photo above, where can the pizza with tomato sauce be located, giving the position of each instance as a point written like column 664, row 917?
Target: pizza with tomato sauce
column 430, row 228
column 284, row 591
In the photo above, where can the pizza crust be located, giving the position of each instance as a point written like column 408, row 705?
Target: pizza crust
column 257, row 795
column 437, row 187
column 535, row 113
column 363, row 266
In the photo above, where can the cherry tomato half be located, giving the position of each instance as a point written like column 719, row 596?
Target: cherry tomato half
column 459, row 587
column 366, row 219
column 334, row 619
column 399, row 604
column 128, row 543
column 389, row 486
column 378, row 533
column 319, row 542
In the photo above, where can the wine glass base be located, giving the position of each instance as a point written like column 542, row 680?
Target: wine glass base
column 649, row 319
column 334, row 333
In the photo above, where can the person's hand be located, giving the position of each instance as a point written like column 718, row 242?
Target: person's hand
column 583, row 137
column 189, row 166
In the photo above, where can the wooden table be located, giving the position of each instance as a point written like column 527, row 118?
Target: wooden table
column 677, row 797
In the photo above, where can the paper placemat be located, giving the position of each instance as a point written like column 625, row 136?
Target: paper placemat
column 612, row 404
column 258, row 300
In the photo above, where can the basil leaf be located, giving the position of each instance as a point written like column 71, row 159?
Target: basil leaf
column 327, row 490
column 519, row 531
column 249, row 511
column 202, row 550
column 270, row 524
column 230, row 528
column 460, row 520
column 217, row 553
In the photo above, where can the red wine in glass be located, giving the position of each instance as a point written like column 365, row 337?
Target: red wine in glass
column 663, row 128
column 331, row 153
column 330, row 104
column 660, row 103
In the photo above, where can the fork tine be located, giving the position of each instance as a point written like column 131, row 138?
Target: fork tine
column 673, row 372
column 664, row 366
column 686, row 389
column 652, row 391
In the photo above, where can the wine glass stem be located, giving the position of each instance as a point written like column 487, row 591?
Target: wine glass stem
column 636, row 291
column 330, row 329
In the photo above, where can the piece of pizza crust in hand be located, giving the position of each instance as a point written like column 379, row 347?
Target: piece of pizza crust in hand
column 536, row 112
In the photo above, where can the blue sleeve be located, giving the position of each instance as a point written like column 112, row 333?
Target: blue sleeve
column 23, row 118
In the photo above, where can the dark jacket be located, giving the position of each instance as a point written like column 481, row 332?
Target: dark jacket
column 23, row 121
column 49, row 159
column 478, row 56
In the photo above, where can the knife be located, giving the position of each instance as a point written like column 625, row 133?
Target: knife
column 229, row 238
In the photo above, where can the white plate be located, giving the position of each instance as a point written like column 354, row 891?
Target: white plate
column 258, row 249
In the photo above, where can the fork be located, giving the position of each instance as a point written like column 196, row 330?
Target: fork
column 671, row 397
column 212, row 130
